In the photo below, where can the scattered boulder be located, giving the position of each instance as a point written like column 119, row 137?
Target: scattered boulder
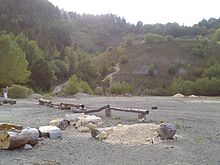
column 90, row 122
column 83, row 129
column 60, row 123
column 193, row 96
column 166, row 131
column 52, row 132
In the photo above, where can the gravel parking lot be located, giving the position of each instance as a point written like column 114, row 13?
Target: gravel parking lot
column 197, row 141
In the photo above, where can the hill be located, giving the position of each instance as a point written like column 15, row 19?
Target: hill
column 151, row 67
column 58, row 44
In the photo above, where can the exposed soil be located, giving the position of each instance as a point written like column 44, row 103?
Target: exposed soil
column 197, row 141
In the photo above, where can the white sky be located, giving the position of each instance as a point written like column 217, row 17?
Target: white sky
column 187, row 12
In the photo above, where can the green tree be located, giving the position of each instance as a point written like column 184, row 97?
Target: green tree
column 75, row 85
column 30, row 48
column 13, row 65
column 216, row 35
column 212, row 71
column 42, row 77
column 63, row 69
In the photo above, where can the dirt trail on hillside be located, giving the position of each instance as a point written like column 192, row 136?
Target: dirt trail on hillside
column 110, row 76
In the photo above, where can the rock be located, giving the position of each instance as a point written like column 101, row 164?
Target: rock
column 60, row 123
column 102, row 135
column 27, row 147
column 91, row 126
column 83, row 129
column 193, row 96
column 166, row 131
column 73, row 117
column 78, row 123
column 179, row 95
column 52, row 132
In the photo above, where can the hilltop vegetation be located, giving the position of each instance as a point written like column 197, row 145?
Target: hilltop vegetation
column 48, row 46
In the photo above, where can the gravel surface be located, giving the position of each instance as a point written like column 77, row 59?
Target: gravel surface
column 197, row 121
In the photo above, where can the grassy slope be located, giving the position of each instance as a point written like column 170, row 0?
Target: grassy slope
column 143, row 55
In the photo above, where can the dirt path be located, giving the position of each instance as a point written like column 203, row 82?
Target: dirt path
column 110, row 76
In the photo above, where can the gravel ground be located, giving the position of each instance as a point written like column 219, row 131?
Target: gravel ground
column 197, row 142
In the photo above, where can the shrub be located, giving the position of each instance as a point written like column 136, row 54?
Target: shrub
column 169, row 38
column 152, row 70
column 172, row 69
column 203, row 86
column 153, row 38
column 75, row 85
column 178, row 85
column 120, row 88
column 124, row 59
column 213, row 71
column 18, row 91
column 99, row 91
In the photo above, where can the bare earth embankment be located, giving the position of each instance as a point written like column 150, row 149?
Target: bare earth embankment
column 197, row 140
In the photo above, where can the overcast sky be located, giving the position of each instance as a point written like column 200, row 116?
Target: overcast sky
column 184, row 12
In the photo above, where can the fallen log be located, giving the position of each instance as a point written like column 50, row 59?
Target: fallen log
column 9, row 101
column 7, row 127
column 12, row 140
column 69, row 106
column 101, row 133
column 44, row 102
column 97, row 110
column 142, row 113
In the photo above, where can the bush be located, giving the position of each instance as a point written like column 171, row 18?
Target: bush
column 120, row 88
column 153, row 38
column 18, row 91
column 172, row 69
column 75, row 85
column 99, row 91
column 203, row 86
column 152, row 70
column 124, row 59
column 169, row 38
column 213, row 71
column 178, row 85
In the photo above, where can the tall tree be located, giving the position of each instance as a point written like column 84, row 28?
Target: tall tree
column 13, row 65
column 42, row 77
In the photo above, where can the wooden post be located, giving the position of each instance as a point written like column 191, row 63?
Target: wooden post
column 5, row 92
column 108, row 112
column 142, row 116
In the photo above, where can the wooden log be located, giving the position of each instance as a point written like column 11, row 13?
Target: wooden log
column 96, row 132
column 143, row 111
column 44, row 102
column 97, row 110
column 65, row 106
column 7, row 127
column 9, row 101
column 54, row 105
column 12, row 140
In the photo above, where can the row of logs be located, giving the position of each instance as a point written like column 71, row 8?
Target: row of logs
column 63, row 106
